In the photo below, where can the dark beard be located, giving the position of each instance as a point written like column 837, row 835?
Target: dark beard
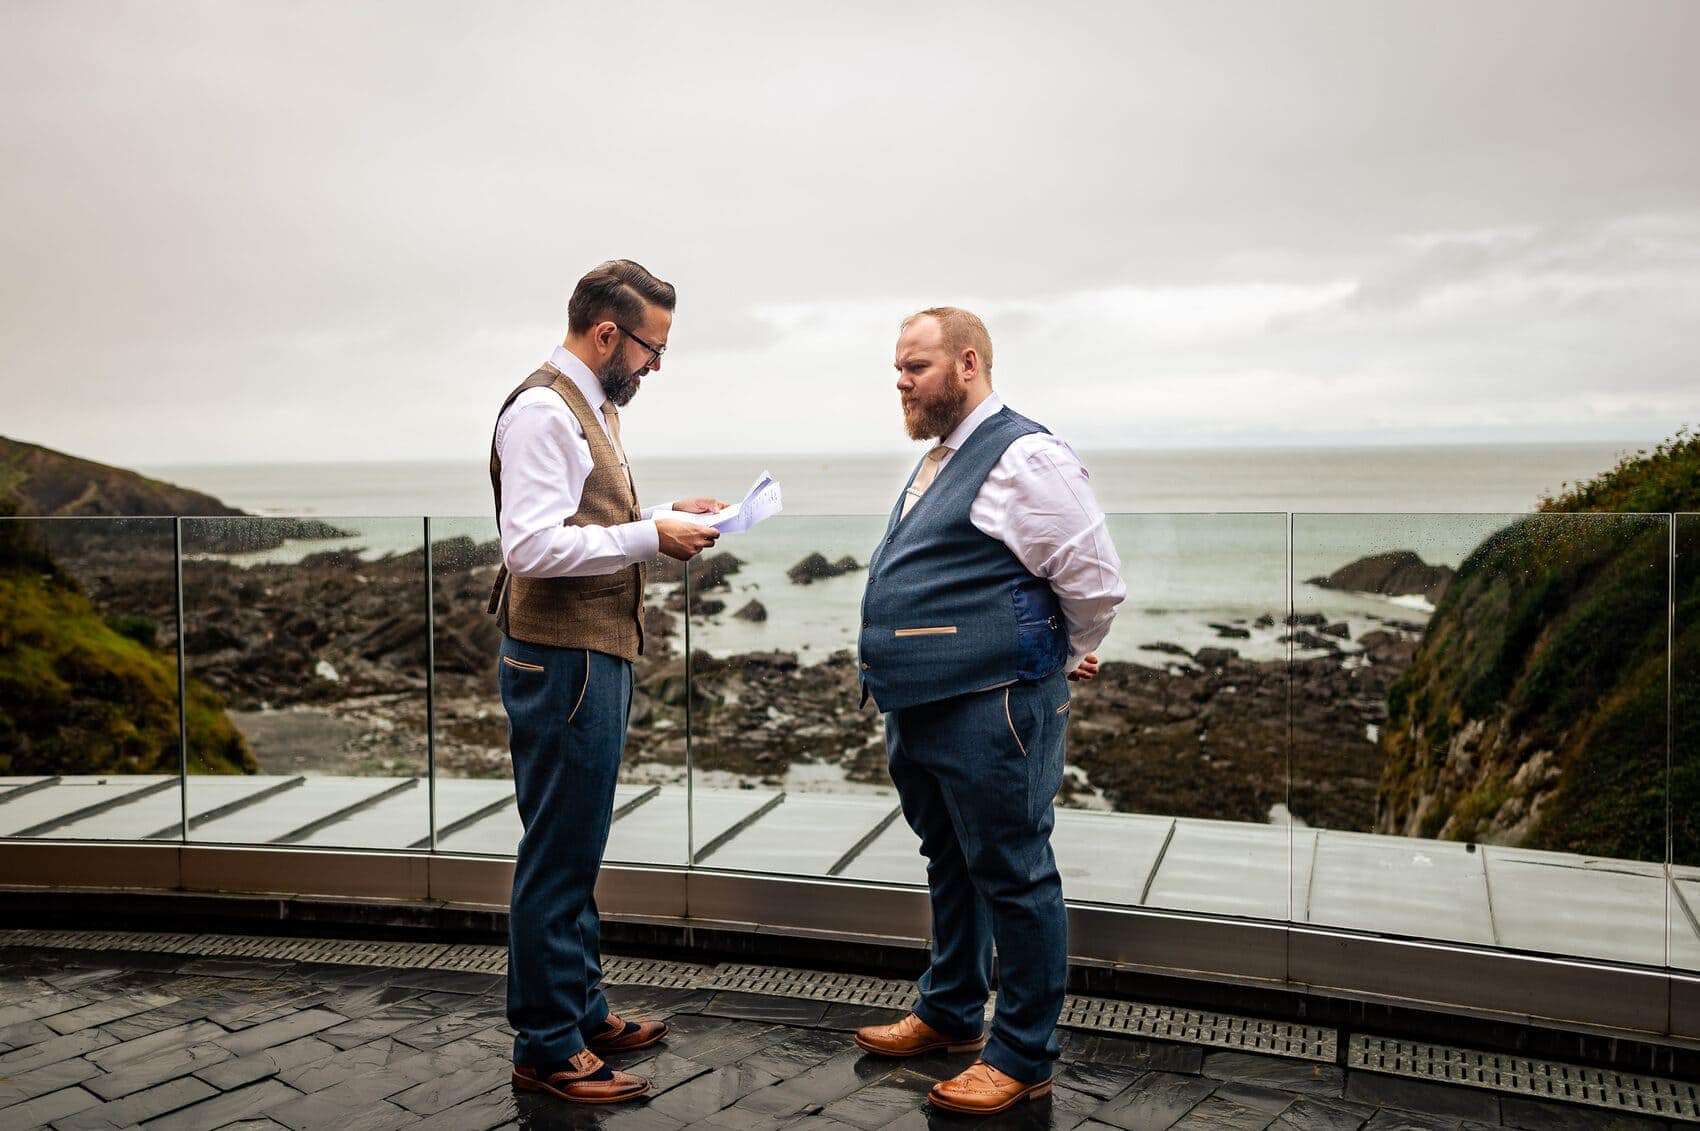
column 933, row 420
column 618, row 384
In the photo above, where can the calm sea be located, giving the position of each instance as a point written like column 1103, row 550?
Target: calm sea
column 1204, row 535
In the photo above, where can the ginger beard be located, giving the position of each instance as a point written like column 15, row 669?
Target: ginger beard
column 932, row 417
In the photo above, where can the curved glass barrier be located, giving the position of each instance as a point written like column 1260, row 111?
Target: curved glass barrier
column 313, row 632
column 1480, row 729
column 89, row 721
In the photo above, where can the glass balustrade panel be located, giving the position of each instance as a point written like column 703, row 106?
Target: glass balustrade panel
column 1685, row 745
column 788, row 765
column 313, row 634
column 89, row 723
column 1175, row 791
column 1478, row 729
column 476, row 809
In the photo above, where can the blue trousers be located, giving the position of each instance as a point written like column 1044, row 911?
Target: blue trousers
column 977, row 774
column 567, row 712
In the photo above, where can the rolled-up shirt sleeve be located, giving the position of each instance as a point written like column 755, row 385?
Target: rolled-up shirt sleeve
column 545, row 462
column 1038, row 501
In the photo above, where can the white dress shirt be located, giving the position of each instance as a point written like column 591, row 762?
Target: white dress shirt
column 545, row 462
column 1037, row 501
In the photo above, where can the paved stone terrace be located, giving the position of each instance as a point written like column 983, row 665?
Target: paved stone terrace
column 178, row 1042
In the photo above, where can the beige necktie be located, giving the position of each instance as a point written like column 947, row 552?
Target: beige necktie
column 924, row 478
column 611, row 413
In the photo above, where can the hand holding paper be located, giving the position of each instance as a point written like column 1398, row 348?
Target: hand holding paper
column 761, row 501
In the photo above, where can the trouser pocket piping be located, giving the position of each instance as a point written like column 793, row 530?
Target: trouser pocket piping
column 1019, row 745
column 521, row 665
column 583, row 689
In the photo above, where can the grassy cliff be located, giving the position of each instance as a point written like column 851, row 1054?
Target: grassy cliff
column 1534, row 711
column 81, row 696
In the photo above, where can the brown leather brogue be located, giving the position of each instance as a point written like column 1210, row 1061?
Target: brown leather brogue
column 586, row 1080
column 983, row 1090
column 912, row 1037
column 624, row 1036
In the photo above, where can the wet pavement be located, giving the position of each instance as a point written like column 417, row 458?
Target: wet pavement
column 118, row 1039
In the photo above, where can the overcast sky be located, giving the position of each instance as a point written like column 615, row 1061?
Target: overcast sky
column 284, row 231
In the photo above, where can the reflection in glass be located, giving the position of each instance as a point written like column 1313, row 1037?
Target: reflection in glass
column 1521, row 752
column 88, row 680
column 314, row 634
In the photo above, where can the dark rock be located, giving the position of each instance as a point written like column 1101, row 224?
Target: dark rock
column 1395, row 574
column 1311, row 640
column 755, row 611
column 1339, row 629
column 1267, row 620
column 815, row 567
column 1215, row 657
column 1165, row 647
column 1311, row 619
column 211, row 638
column 1230, row 632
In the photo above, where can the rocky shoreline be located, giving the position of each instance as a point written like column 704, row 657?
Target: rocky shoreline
column 324, row 662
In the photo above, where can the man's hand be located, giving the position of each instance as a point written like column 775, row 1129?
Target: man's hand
column 700, row 505
column 684, row 540
column 1087, row 669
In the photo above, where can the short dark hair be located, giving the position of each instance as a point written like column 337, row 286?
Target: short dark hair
column 616, row 291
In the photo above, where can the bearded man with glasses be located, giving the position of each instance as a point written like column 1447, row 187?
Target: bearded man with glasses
column 569, row 602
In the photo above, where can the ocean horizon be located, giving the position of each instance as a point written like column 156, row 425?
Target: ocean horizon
column 1204, row 534
column 1428, row 479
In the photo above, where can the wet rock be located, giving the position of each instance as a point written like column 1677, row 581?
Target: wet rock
column 1165, row 647
column 1230, row 632
column 815, row 567
column 1215, row 657
column 755, row 612
column 1339, row 629
column 1396, row 574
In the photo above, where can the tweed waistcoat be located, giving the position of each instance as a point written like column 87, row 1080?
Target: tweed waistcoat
column 603, row 613
column 949, row 610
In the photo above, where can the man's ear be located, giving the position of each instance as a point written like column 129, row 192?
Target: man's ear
column 969, row 359
column 604, row 334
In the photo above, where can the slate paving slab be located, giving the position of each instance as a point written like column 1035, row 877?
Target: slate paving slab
column 1306, row 1077
column 1308, row 1112
column 710, row 1092
column 1422, row 1096
column 139, row 1107
column 1157, row 1099
column 45, row 1109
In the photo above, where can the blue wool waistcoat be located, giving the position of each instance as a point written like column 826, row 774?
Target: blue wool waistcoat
column 948, row 610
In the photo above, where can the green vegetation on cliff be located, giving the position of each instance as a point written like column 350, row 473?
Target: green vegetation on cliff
column 81, row 696
column 1534, row 711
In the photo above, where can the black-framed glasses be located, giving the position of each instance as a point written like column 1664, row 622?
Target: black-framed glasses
column 655, row 352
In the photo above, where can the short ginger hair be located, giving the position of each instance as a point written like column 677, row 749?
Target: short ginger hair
column 960, row 330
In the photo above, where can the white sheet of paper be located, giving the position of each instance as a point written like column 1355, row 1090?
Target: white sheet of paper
column 761, row 501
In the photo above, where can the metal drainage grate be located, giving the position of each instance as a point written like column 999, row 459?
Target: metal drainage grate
column 1161, row 1023
column 471, row 958
column 847, row 988
column 653, row 972
column 1539, row 1079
